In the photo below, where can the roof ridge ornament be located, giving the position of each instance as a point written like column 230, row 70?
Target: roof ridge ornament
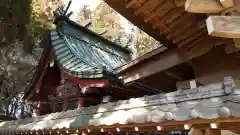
column 60, row 11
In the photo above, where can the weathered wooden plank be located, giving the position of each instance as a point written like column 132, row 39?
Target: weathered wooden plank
column 203, row 6
column 195, row 36
column 146, row 56
column 227, row 3
column 169, row 59
column 224, row 26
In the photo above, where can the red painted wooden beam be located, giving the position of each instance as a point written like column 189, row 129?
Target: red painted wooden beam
column 88, row 82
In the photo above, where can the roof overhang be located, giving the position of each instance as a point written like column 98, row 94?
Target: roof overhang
column 163, row 61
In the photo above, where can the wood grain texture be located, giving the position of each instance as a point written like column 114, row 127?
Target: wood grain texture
column 203, row 6
column 224, row 26
column 227, row 3
column 160, row 11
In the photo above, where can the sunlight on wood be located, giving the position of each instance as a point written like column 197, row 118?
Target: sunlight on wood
column 203, row 6
column 226, row 3
column 224, row 26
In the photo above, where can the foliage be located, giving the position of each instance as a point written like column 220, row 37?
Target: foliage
column 109, row 23
column 22, row 25
column 145, row 43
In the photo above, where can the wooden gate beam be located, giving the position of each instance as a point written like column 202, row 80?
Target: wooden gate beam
column 168, row 59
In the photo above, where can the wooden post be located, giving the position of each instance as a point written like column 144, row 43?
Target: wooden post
column 193, row 84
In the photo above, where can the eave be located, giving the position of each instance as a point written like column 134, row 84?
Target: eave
column 166, row 60
column 43, row 63
column 120, row 6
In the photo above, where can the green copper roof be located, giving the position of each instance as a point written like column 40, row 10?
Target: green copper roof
column 83, row 53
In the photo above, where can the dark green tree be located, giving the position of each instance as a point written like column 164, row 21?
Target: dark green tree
column 22, row 25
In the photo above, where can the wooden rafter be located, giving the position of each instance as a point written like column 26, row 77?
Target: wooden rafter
column 195, row 42
column 169, row 17
column 224, row 26
column 185, row 27
column 195, row 36
column 159, row 8
column 130, row 3
column 203, row 6
column 188, row 33
column 184, row 18
column 119, row 5
column 145, row 5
